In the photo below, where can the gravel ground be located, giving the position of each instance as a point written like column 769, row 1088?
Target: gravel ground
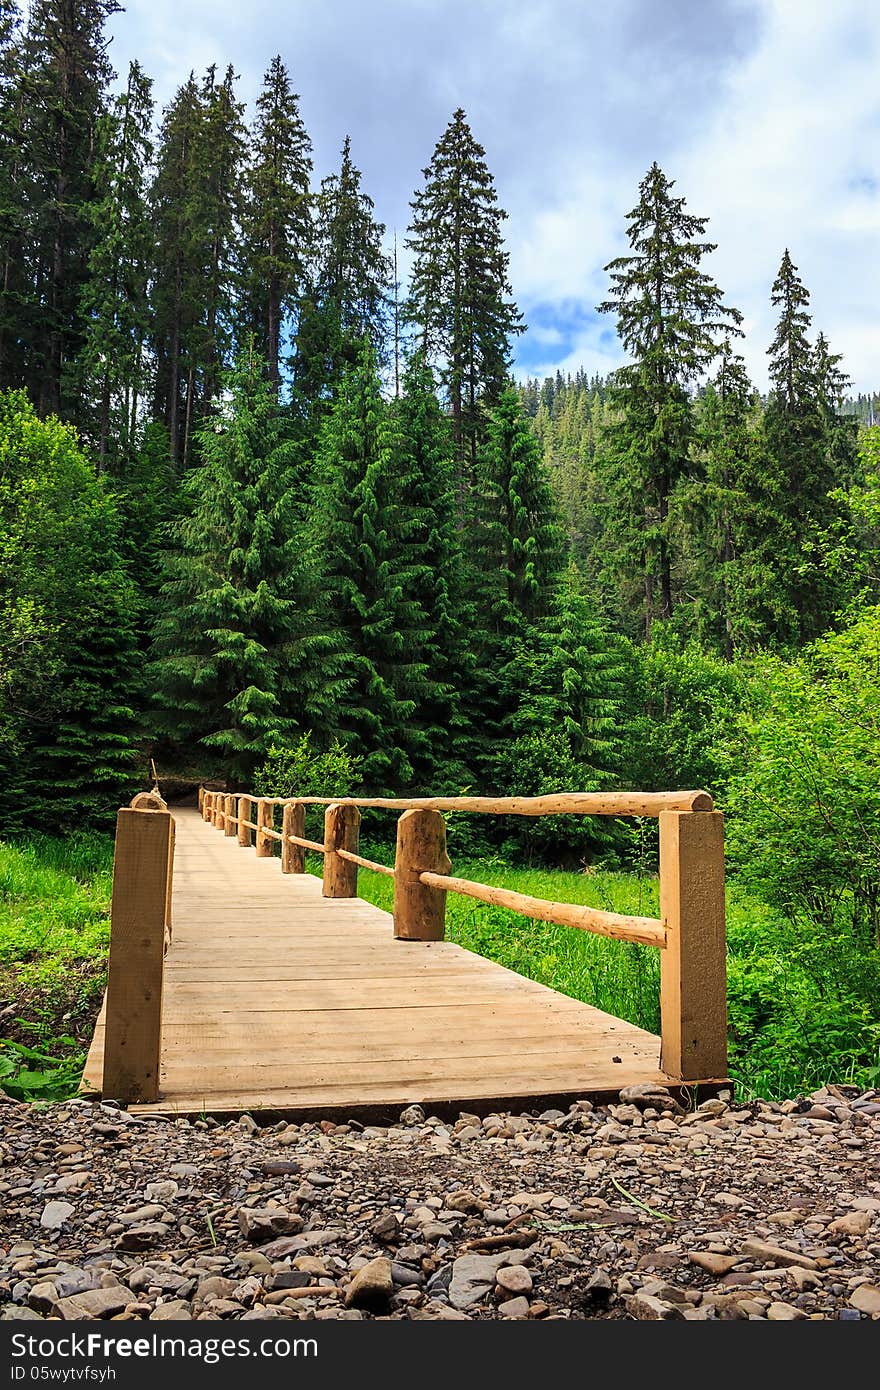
column 634, row 1210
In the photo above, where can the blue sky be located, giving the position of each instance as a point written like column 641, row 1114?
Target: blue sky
column 765, row 112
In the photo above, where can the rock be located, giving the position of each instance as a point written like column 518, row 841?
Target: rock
column 712, row 1263
column 43, row 1298
column 598, row 1287
column 466, row 1201
column 473, row 1278
column 178, row 1310
column 260, row 1224
column 94, row 1303
column 867, row 1299
column 784, row 1312
column 514, row 1279
column 215, row 1286
column 514, row 1308
column 142, row 1237
column 163, row 1191
column 26, row 1314
column 855, row 1223
column 759, row 1250
column 412, row 1115
column 55, row 1214
column 646, row 1307
column 372, row 1286
column 386, row 1229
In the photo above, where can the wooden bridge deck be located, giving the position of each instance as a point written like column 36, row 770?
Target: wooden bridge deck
column 279, row 1000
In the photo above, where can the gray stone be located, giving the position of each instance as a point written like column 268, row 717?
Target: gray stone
column 867, row 1299
column 514, row 1279
column 144, row 1237
column 55, row 1214
column 260, row 1224
column 473, row 1278
column 94, row 1303
column 514, row 1308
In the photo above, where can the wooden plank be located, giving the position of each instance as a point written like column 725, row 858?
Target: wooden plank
column 693, row 968
column 138, row 913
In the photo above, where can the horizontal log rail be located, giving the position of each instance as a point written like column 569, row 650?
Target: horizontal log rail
column 647, row 931
column 557, row 804
column 690, row 932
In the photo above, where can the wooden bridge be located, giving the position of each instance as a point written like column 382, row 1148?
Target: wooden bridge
column 283, row 993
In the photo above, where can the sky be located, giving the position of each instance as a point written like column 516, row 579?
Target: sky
column 766, row 113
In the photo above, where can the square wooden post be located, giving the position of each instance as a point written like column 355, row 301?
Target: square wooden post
column 693, row 966
column 293, row 857
column 202, row 795
column 341, row 831
column 229, row 819
column 419, row 910
column 138, row 913
column 265, row 821
column 245, row 834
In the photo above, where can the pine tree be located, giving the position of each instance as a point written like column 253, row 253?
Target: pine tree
column 221, row 160
column 65, row 85
column 347, row 298
column 670, row 316
column 460, row 298
column 516, row 543
column 112, row 370
column 364, row 532
column 15, row 290
column 277, row 225
column 238, row 664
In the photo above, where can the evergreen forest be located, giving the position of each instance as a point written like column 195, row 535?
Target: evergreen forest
column 277, row 519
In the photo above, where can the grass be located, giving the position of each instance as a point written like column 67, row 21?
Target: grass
column 54, row 936
column 804, row 1008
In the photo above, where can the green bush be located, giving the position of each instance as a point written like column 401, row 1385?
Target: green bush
column 301, row 770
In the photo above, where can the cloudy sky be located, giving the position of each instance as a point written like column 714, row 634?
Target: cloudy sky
column 765, row 112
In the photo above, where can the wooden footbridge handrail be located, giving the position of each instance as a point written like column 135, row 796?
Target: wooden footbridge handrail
column 690, row 932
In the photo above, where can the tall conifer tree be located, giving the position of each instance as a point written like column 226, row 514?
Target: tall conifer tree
column 670, row 317
column 277, row 225
column 460, row 302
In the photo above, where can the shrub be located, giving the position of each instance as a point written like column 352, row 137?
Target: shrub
column 301, row 770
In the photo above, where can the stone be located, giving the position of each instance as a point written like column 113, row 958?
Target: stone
column 144, row 1237
column 177, row 1310
column 855, row 1223
column 386, row 1229
column 514, row 1279
column 866, row 1298
column 372, row 1286
column 55, row 1214
column 164, row 1190
column 260, row 1224
column 412, row 1115
column 646, row 1307
column 784, row 1312
column 94, row 1303
column 712, row 1263
column 473, row 1278
column 514, row 1308
column 43, row 1298
column 759, row 1250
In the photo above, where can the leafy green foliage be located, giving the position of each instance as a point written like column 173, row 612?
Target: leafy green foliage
column 303, row 770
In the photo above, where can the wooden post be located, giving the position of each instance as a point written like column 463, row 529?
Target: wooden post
column 341, row 831
column 201, row 801
column 245, row 834
column 217, row 816
column 265, row 821
column 208, row 808
column 169, row 886
column 133, row 1028
column 420, row 911
column 693, row 966
column 293, row 822
column 229, row 825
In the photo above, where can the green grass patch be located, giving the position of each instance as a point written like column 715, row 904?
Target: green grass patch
column 54, row 938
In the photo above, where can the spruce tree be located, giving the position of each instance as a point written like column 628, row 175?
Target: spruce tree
column 433, row 545
column 670, row 317
column 16, row 292
column 277, row 225
column 111, row 367
column 516, row 544
column 460, row 301
column 67, row 75
column 371, row 575
column 347, row 297
column 238, row 664
column 221, row 152
column 798, row 504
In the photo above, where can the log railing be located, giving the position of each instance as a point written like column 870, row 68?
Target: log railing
column 689, row 933
column 140, row 934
